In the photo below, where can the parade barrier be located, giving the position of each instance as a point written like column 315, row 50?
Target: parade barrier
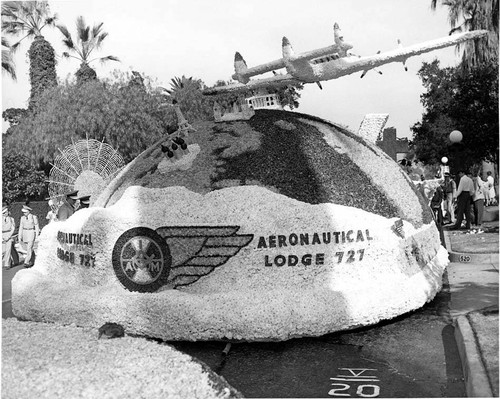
column 331, row 238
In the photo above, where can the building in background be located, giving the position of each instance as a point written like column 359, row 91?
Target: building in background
column 396, row 148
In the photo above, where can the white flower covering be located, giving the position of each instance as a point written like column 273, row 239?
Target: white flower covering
column 245, row 298
column 184, row 163
column 40, row 360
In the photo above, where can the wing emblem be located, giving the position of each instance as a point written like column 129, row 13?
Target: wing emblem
column 145, row 260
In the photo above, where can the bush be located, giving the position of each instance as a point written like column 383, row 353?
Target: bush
column 20, row 180
column 125, row 116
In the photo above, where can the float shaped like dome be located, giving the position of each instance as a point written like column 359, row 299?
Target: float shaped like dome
column 281, row 226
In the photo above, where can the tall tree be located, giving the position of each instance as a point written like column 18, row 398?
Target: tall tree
column 87, row 41
column 187, row 92
column 467, row 15
column 458, row 99
column 28, row 18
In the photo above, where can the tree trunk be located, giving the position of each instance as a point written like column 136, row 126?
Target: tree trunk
column 42, row 69
column 85, row 74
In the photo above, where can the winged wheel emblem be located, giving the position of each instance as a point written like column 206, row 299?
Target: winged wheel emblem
column 145, row 260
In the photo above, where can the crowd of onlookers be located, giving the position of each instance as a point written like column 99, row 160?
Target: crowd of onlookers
column 453, row 198
column 29, row 227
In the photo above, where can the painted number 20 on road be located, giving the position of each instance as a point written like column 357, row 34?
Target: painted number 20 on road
column 354, row 377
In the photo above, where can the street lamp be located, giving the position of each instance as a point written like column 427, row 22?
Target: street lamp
column 456, row 136
column 444, row 168
column 456, row 148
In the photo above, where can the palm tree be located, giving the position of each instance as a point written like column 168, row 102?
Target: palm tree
column 29, row 18
column 87, row 40
column 7, row 60
column 467, row 15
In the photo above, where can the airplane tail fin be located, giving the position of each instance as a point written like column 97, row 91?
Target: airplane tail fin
column 240, row 66
column 287, row 48
column 337, row 34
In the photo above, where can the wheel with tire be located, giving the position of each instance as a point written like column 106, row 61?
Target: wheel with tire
column 141, row 260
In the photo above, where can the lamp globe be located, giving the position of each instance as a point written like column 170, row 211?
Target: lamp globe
column 456, row 136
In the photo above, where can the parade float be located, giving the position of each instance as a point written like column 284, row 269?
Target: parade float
column 267, row 227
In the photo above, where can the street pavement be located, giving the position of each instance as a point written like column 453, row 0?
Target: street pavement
column 473, row 280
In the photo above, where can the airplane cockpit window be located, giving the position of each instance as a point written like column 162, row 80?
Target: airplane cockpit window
column 324, row 59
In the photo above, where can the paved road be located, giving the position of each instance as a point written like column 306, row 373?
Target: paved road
column 414, row 355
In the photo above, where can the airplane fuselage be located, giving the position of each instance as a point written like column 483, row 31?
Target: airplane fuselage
column 329, row 62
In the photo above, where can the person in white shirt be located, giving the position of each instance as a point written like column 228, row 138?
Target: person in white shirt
column 491, row 187
column 478, row 200
column 463, row 198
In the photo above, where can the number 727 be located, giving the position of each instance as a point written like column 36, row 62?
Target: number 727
column 350, row 255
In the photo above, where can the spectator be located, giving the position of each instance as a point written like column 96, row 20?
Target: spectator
column 84, row 202
column 28, row 232
column 491, row 189
column 436, row 200
column 68, row 206
column 8, row 228
column 463, row 198
column 450, row 189
column 51, row 215
column 478, row 200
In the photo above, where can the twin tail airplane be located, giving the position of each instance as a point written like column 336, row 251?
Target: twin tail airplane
column 327, row 63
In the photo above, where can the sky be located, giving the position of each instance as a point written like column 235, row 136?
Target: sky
column 163, row 39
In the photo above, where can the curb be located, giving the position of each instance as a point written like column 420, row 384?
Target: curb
column 477, row 384
column 472, row 258
column 467, row 257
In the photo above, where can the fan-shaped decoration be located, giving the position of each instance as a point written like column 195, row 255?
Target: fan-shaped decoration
column 87, row 166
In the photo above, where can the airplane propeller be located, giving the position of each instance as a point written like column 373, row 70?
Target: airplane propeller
column 366, row 70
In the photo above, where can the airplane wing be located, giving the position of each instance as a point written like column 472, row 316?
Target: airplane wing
column 263, row 68
column 348, row 65
column 280, row 63
column 320, row 52
column 273, row 81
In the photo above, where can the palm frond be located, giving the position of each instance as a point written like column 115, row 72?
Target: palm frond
column 68, row 42
column 8, row 65
column 64, row 30
column 102, row 60
column 100, row 38
column 16, row 45
column 96, row 30
column 81, row 29
column 30, row 16
column 51, row 20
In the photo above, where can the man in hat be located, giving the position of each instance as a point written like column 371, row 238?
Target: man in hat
column 84, row 202
column 28, row 232
column 8, row 228
column 68, row 206
column 450, row 189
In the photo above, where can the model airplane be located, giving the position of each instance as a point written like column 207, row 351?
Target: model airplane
column 327, row 63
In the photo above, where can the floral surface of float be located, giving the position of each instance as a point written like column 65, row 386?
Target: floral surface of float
column 276, row 227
